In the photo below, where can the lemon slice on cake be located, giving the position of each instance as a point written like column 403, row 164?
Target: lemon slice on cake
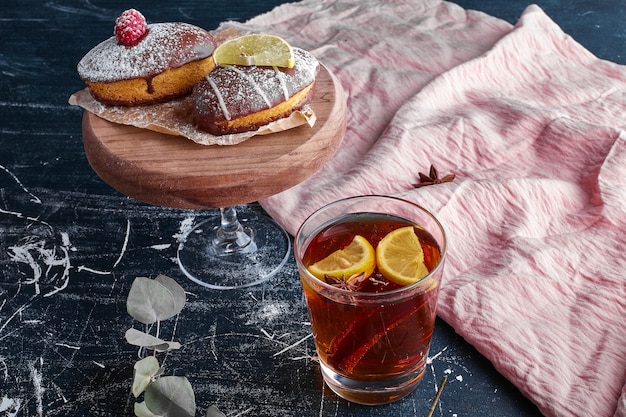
column 356, row 258
column 400, row 256
column 255, row 49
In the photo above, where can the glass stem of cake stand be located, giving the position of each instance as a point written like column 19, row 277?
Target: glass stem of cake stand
column 231, row 236
column 232, row 249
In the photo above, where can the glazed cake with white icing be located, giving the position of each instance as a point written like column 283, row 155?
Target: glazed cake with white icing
column 235, row 99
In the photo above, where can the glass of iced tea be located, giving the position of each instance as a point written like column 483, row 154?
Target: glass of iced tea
column 371, row 268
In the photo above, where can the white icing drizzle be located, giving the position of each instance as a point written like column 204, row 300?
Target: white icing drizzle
column 220, row 98
column 283, row 82
column 256, row 86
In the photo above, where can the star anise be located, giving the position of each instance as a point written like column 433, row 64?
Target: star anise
column 433, row 178
column 352, row 283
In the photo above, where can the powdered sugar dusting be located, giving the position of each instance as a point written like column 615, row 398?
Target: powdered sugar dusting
column 166, row 45
column 251, row 81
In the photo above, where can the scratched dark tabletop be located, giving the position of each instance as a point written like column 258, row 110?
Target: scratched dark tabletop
column 70, row 247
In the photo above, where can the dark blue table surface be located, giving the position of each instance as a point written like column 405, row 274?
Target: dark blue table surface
column 63, row 353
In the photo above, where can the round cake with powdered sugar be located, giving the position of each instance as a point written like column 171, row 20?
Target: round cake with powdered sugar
column 235, row 99
column 145, row 64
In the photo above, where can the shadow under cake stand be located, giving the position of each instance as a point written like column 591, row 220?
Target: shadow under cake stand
column 172, row 171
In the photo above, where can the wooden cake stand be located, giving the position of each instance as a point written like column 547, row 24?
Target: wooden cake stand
column 223, row 252
column 173, row 171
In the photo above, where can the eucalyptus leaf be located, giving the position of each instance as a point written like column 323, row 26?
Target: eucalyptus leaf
column 142, row 410
column 138, row 338
column 144, row 371
column 171, row 396
column 178, row 292
column 150, row 301
column 213, row 411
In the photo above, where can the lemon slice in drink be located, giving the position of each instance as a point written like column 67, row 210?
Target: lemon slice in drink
column 400, row 257
column 358, row 257
column 255, row 49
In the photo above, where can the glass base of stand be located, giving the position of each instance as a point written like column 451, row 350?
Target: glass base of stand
column 254, row 253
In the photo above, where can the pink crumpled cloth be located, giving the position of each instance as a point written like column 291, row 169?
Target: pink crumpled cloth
column 532, row 124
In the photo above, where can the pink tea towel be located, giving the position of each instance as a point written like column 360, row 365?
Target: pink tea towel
column 533, row 126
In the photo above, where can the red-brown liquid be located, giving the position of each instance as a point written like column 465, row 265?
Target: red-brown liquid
column 370, row 337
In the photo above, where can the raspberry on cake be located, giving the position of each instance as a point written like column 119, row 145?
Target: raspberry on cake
column 240, row 98
column 130, row 27
column 147, row 63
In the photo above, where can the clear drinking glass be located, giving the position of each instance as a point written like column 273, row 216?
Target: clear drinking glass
column 373, row 342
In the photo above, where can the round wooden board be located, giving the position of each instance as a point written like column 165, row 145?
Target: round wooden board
column 173, row 171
